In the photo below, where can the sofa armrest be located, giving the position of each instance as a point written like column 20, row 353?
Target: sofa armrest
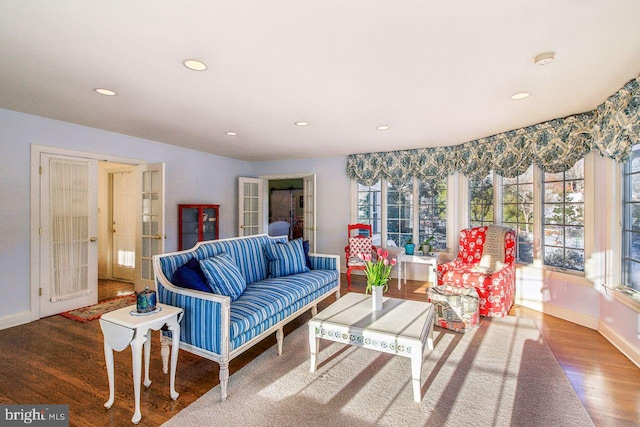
column 206, row 320
column 324, row 262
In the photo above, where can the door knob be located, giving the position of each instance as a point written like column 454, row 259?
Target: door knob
column 93, row 239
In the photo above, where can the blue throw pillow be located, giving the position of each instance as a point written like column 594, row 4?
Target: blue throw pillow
column 223, row 276
column 189, row 278
column 286, row 258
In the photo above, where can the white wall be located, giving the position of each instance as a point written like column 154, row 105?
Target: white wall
column 191, row 176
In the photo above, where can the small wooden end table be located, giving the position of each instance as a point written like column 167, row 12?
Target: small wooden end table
column 121, row 329
column 403, row 327
column 403, row 259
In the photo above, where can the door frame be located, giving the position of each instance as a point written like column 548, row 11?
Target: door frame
column 36, row 152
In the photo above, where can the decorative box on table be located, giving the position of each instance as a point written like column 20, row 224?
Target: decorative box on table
column 455, row 308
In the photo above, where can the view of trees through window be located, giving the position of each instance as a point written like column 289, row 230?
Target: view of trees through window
column 369, row 209
column 399, row 213
column 433, row 212
column 517, row 212
column 563, row 220
column 631, row 221
column 481, row 201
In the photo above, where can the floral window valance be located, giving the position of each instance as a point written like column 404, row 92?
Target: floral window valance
column 554, row 146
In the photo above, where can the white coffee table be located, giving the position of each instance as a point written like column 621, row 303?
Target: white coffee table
column 121, row 329
column 402, row 260
column 403, row 328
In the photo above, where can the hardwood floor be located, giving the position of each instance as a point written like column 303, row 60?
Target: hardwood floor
column 57, row 360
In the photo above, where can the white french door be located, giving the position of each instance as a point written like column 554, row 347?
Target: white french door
column 251, row 214
column 309, row 216
column 68, row 233
column 123, row 225
column 150, row 222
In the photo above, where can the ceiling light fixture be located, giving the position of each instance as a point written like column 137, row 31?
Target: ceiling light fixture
column 383, row 127
column 106, row 92
column 302, row 123
column 231, row 133
column 544, row 58
column 520, row 95
column 194, row 64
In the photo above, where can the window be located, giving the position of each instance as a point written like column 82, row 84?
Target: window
column 481, row 201
column 370, row 208
column 400, row 213
column 403, row 219
column 631, row 221
column 563, row 221
column 517, row 212
column 432, row 213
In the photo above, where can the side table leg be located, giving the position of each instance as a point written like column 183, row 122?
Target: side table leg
column 147, row 356
column 136, row 356
column 108, row 357
column 313, row 347
column 399, row 274
column 416, row 372
column 174, row 327
column 164, row 352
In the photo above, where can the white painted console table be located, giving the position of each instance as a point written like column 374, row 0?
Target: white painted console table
column 402, row 260
column 350, row 320
column 121, row 329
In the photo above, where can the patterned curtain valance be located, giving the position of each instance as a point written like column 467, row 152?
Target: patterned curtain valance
column 554, row 146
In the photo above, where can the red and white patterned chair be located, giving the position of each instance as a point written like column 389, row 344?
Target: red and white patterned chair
column 486, row 261
column 360, row 236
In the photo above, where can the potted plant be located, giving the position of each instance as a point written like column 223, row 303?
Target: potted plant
column 426, row 247
column 377, row 276
column 409, row 247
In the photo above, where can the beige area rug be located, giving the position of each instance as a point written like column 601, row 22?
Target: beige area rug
column 498, row 374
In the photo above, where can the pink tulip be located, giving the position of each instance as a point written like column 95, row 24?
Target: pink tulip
column 367, row 257
column 386, row 261
column 385, row 254
column 393, row 261
column 379, row 251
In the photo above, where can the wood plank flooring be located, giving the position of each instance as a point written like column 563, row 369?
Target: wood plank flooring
column 57, row 360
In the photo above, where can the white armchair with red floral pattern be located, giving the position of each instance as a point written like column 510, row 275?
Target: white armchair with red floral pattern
column 486, row 261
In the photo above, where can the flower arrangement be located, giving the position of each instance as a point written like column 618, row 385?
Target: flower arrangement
column 378, row 272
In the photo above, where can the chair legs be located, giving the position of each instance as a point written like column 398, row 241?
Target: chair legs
column 348, row 280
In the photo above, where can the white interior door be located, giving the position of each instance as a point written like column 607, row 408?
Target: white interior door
column 310, row 211
column 150, row 222
column 68, row 233
column 123, row 225
column 250, row 209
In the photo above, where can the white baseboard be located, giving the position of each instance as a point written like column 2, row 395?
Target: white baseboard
column 561, row 313
column 618, row 342
column 15, row 319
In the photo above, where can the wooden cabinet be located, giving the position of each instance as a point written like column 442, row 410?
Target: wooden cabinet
column 196, row 223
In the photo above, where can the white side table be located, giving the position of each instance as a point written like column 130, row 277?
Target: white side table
column 402, row 260
column 121, row 329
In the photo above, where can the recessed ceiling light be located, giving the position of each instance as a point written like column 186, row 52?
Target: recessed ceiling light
column 107, row 92
column 302, row 123
column 520, row 95
column 544, row 58
column 383, row 127
column 231, row 133
column 194, row 64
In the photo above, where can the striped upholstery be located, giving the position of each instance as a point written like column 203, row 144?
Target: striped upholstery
column 223, row 276
column 212, row 326
column 248, row 254
column 265, row 303
column 286, row 258
column 197, row 314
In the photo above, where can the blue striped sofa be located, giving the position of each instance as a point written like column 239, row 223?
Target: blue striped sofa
column 218, row 329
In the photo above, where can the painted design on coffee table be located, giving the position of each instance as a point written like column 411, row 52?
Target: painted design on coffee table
column 354, row 339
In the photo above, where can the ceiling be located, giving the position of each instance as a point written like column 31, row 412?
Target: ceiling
column 437, row 73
